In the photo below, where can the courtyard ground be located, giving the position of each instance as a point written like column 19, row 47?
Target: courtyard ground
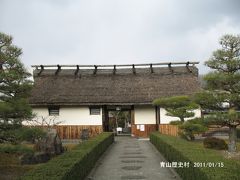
column 131, row 158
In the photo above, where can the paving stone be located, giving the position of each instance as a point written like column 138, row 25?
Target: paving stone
column 131, row 167
column 132, row 157
column 131, row 146
column 132, row 177
column 132, row 161
column 132, row 153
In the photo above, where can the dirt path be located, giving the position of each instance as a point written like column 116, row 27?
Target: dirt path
column 130, row 158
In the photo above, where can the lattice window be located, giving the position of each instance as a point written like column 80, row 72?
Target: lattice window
column 95, row 110
column 53, row 111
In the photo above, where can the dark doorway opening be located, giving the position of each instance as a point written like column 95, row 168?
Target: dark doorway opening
column 120, row 122
column 117, row 119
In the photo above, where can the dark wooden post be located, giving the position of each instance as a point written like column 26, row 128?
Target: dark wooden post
column 187, row 66
column 132, row 115
column 77, row 70
column 170, row 67
column 40, row 72
column 133, row 69
column 105, row 118
column 58, row 69
column 114, row 69
column 133, row 131
column 151, row 68
column 95, row 69
column 157, row 110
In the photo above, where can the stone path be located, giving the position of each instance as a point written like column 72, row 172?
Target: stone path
column 129, row 158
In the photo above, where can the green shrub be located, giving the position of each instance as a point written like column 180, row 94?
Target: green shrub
column 198, row 121
column 175, row 149
column 193, row 121
column 190, row 129
column 176, row 122
column 18, row 149
column 214, row 143
column 74, row 164
column 30, row 134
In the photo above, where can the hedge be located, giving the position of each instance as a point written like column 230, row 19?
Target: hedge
column 175, row 149
column 75, row 164
column 215, row 143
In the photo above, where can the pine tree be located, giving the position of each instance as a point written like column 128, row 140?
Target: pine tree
column 177, row 106
column 15, row 88
column 221, row 96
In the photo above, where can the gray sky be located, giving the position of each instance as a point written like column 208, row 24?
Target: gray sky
column 118, row 31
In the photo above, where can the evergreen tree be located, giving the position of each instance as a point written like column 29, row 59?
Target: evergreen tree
column 177, row 106
column 221, row 96
column 14, row 89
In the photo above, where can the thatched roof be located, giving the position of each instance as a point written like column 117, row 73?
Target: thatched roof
column 125, row 86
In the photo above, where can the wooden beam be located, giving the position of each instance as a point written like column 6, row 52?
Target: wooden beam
column 114, row 69
column 151, row 68
column 58, row 69
column 77, row 70
column 42, row 69
column 170, row 67
column 133, row 69
column 187, row 66
column 95, row 69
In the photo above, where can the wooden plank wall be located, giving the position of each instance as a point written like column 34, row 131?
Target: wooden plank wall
column 75, row 131
column 148, row 129
column 169, row 129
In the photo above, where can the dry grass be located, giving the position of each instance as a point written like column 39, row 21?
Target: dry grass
column 10, row 167
column 69, row 147
column 224, row 153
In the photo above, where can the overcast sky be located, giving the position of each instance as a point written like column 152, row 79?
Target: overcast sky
column 118, row 31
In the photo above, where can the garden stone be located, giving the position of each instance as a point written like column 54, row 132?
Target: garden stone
column 27, row 159
column 41, row 157
column 51, row 144
column 38, row 157
column 85, row 134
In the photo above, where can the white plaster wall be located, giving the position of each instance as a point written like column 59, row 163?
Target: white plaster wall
column 144, row 115
column 71, row 116
column 40, row 112
column 164, row 119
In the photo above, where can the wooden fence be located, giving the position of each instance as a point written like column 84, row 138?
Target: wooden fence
column 168, row 129
column 75, row 131
column 148, row 128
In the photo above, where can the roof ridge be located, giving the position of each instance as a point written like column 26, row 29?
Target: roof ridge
column 187, row 63
column 117, row 71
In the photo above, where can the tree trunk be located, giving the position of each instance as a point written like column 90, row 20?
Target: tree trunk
column 232, row 139
column 192, row 137
column 182, row 119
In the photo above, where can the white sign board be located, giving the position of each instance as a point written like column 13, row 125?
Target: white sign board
column 119, row 129
column 142, row 127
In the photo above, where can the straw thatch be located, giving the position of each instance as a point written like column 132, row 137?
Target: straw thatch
column 106, row 87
